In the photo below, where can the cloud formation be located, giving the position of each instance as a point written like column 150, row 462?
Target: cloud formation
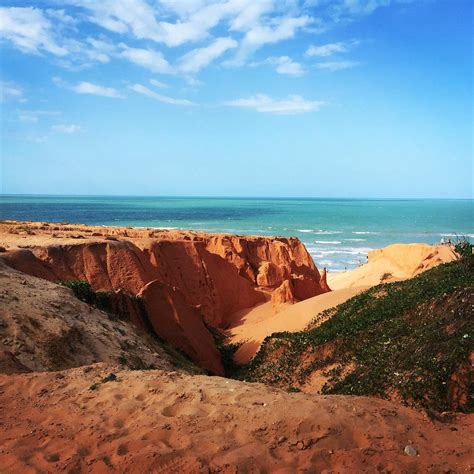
column 147, row 58
column 285, row 65
column 293, row 104
column 67, row 129
column 141, row 89
column 29, row 30
column 337, row 65
column 250, row 26
column 95, row 89
column 199, row 58
column 10, row 91
column 326, row 49
column 85, row 87
column 145, row 32
column 33, row 116
column 262, row 34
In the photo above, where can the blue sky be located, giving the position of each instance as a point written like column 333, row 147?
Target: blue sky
column 340, row 98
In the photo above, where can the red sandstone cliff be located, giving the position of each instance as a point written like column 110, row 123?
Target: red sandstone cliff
column 186, row 280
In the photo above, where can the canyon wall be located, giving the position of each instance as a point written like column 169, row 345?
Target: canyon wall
column 187, row 281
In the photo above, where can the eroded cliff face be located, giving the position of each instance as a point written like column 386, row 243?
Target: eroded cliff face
column 185, row 280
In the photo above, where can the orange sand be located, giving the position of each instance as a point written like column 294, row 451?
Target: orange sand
column 251, row 327
column 162, row 422
column 393, row 263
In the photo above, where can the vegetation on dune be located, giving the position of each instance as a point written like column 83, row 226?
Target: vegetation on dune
column 227, row 351
column 84, row 292
column 409, row 341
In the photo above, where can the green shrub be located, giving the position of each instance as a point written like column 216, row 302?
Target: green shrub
column 227, row 351
column 463, row 248
column 82, row 290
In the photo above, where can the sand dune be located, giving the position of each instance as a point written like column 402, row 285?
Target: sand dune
column 161, row 422
column 392, row 263
column 251, row 327
column 43, row 326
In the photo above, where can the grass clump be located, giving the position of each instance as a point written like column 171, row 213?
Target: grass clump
column 134, row 362
column 108, row 378
column 227, row 351
column 84, row 292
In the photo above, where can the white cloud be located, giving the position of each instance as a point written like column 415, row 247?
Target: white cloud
column 294, row 104
column 33, row 116
column 193, row 82
column 95, row 89
column 38, row 31
column 337, row 65
column 11, row 92
column 242, row 25
column 68, row 129
column 199, row 58
column 348, row 9
column 147, row 58
column 122, row 16
column 159, row 84
column 98, row 50
column 280, row 29
column 62, row 17
column 176, row 34
column 177, row 22
column 285, row 65
column 194, row 23
column 29, row 30
column 38, row 139
column 183, row 8
column 141, row 89
column 250, row 15
column 139, row 18
column 326, row 49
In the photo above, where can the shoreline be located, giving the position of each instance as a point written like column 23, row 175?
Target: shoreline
column 328, row 247
column 379, row 223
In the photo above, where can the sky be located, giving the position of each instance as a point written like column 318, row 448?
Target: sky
column 288, row 98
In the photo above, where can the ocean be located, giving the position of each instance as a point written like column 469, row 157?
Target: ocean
column 337, row 232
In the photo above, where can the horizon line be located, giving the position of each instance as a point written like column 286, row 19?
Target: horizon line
column 233, row 197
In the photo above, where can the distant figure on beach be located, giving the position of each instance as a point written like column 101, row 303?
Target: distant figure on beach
column 442, row 241
column 323, row 280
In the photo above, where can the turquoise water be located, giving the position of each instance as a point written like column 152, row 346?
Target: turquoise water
column 337, row 232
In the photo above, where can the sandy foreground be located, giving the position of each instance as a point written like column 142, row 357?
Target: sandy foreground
column 157, row 421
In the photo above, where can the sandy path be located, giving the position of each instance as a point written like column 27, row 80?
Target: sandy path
column 159, row 422
column 251, row 327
